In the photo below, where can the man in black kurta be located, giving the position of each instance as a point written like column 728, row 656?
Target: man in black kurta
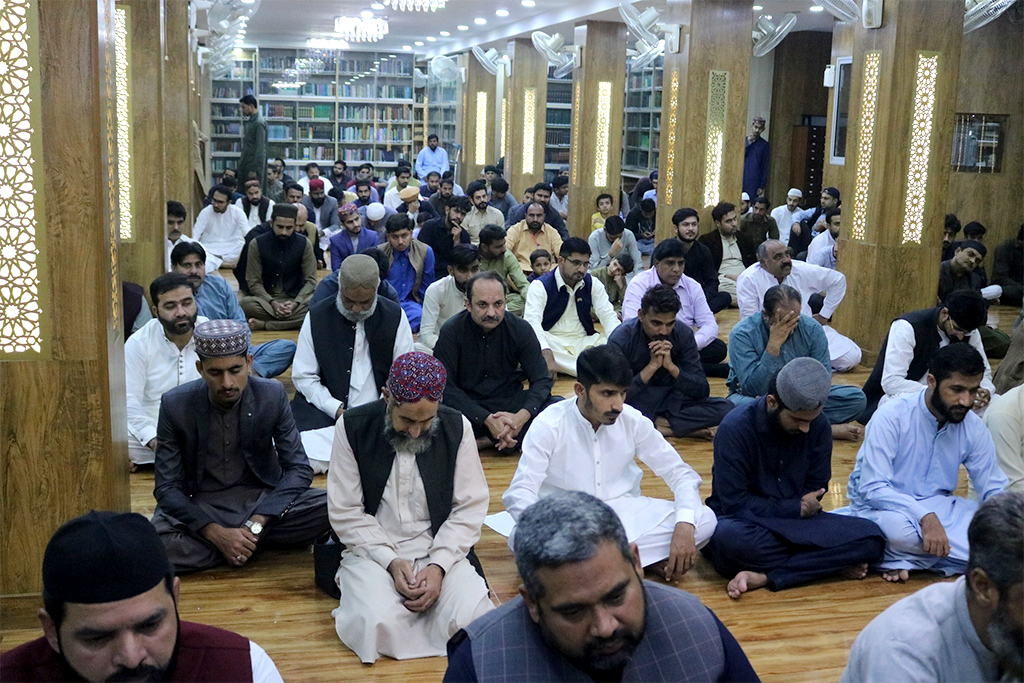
column 442, row 234
column 772, row 465
column 668, row 377
column 487, row 353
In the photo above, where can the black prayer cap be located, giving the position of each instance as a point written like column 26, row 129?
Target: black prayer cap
column 103, row 557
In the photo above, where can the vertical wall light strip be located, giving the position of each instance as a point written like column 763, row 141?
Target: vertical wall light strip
column 529, row 127
column 123, row 78
column 604, row 120
column 866, row 138
column 21, row 209
column 109, row 156
column 718, row 108
column 920, row 146
column 576, row 104
column 670, row 155
column 481, row 128
column 504, row 126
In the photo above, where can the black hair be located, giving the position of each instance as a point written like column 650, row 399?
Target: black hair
column 660, row 299
column 961, row 358
column 603, row 195
column 780, row 294
column 625, row 260
column 499, row 185
column 400, row 169
column 460, row 202
column 533, row 203
column 542, row 186
column 613, row 225
column 397, row 222
column 364, row 166
column 832, row 212
column 222, row 189
column 559, row 180
column 475, row 187
column 463, row 256
column 485, row 275
column 433, row 136
column 760, row 199
column 177, row 209
column 952, row 224
column 230, row 182
column 682, row 214
column 310, row 165
column 539, row 253
column 382, row 261
column 574, row 245
column 293, row 186
column 490, row 168
column 362, row 182
column 721, row 210
column 427, row 177
column 648, row 205
column 673, row 247
column 250, row 100
column 166, row 283
column 975, row 245
column 974, row 230
column 967, row 309
column 603, row 364
column 183, row 249
column 447, row 180
column 491, row 233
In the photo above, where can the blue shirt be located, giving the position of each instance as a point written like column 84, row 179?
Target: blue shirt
column 431, row 160
column 403, row 275
column 751, row 368
column 217, row 301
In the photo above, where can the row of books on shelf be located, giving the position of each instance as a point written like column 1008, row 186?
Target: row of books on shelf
column 557, row 137
column 315, row 89
column 559, row 117
column 350, row 154
column 556, row 156
column 227, row 92
column 278, row 110
column 231, row 111
column 306, row 152
column 365, row 90
column 227, row 146
column 315, row 111
column 220, row 128
column 242, row 71
column 373, row 134
column 442, row 115
column 283, row 62
column 559, row 96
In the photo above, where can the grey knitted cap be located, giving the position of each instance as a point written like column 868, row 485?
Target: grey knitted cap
column 804, row 384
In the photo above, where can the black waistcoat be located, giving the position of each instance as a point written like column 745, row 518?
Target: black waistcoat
column 926, row 342
column 282, row 262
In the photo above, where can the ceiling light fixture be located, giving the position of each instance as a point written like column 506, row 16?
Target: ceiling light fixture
column 462, row 27
column 431, row 39
column 366, row 14
column 479, row 21
column 757, row 8
column 361, row 30
column 446, row 33
column 528, row 3
column 502, row 12
column 407, row 47
column 817, row 8
column 416, row 5
column 418, row 43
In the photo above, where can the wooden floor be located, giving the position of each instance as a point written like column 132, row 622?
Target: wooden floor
column 801, row 634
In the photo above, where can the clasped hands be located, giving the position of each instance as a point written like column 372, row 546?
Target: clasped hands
column 236, row 544
column 420, row 590
column 505, row 427
column 282, row 309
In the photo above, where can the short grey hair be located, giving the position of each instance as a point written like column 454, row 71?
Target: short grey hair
column 779, row 294
column 995, row 537
column 565, row 527
column 358, row 271
column 762, row 249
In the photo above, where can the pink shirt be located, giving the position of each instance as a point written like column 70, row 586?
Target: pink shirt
column 693, row 312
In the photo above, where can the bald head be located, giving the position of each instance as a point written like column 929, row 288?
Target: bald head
column 302, row 215
column 359, row 272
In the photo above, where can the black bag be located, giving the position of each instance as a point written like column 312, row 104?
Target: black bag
column 326, row 560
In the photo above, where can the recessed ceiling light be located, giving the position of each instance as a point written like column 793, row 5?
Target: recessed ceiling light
column 817, row 8
column 366, row 14
column 377, row 6
column 758, row 8
column 431, row 39
column 446, row 33
column 392, row 56
column 407, row 47
column 528, row 3
column 479, row 21
column 462, row 27
column 418, row 43
column 502, row 12
column 768, row 16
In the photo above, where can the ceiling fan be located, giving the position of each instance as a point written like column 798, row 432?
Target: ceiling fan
column 647, row 27
column 978, row 13
column 869, row 11
column 442, row 68
column 558, row 54
column 767, row 35
column 491, row 61
column 646, row 53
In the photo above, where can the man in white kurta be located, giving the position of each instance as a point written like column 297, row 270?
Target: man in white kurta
column 785, row 214
column 909, row 463
column 565, row 451
column 775, row 267
column 564, row 338
column 1005, row 420
column 221, row 229
column 446, row 297
column 405, row 589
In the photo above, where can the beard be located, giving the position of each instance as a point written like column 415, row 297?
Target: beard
column 179, row 325
column 143, row 672
column 353, row 316
column 954, row 414
column 1007, row 642
column 402, row 442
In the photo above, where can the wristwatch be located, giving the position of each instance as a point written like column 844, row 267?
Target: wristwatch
column 255, row 527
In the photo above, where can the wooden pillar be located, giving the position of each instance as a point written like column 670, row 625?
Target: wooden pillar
column 897, row 164
column 704, row 109
column 477, row 121
column 598, row 97
column 527, row 116
column 63, row 449
column 176, row 88
column 143, row 217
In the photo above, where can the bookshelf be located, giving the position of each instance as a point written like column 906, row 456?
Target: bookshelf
column 442, row 105
column 642, row 121
column 226, row 113
column 558, row 133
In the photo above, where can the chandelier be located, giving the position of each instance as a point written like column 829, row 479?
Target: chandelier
column 361, row 29
column 416, row 5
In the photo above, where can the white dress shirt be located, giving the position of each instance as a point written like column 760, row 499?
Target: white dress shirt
column 304, row 182
column 805, row 278
column 254, row 212
column 221, row 234
column 263, row 668
column 561, row 205
column 392, row 200
column 821, row 251
column 563, row 452
column 169, row 246
column 784, row 218
column 899, row 352
column 442, row 300
column 153, row 365
column 1005, row 419
column 568, row 326
column 362, row 387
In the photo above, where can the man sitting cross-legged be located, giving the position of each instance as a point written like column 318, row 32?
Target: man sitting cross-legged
column 495, row 256
column 589, row 444
column 761, row 344
column 221, row 228
column 561, row 305
column 231, row 475
column 411, row 266
column 669, row 385
column 909, row 464
column 281, row 274
column 346, row 347
column 773, row 462
column 585, row 612
column 487, row 352
column 407, row 497
column 447, row 296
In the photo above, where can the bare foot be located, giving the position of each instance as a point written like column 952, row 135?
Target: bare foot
column 706, row 434
column 661, row 424
column 855, row 572
column 895, row 575
column 255, row 324
column 847, row 432
column 745, row 581
column 132, row 467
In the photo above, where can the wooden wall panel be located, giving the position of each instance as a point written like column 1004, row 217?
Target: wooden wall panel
column 529, row 70
column 477, row 81
column 63, row 448
column 177, row 140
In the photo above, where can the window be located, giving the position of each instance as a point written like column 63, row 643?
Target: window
column 841, row 111
column 978, row 143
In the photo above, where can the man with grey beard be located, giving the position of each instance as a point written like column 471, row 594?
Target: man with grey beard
column 345, row 348
column 407, row 496
column 971, row 629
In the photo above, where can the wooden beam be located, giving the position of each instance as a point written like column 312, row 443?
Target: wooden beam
column 528, row 96
column 478, row 127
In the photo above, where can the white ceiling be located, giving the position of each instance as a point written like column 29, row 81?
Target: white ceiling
column 288, row 23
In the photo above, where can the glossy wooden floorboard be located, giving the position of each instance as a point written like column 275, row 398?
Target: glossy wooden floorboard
column 801, row 634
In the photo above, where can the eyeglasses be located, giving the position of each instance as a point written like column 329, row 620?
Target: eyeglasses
column 577, row 264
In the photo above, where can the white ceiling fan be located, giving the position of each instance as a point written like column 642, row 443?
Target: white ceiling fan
column 419, row 79
column 978, row 13
column 647, row 27
column 442, row 68
column 491, row 61
column 869, row 11
column 767, row 35
column 645, row 53
column 563, row 57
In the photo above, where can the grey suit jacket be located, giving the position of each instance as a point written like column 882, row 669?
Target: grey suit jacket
column 328, row 212
column 269, row 440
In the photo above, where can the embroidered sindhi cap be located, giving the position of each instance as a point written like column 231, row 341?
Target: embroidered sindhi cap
column 804, row 384
column 221, row 339
column 415, row 376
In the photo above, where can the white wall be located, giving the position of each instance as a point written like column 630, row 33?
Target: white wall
column 759, row 100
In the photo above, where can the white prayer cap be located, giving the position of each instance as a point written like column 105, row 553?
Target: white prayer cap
column 795, row 192
column 745, row 197
column 803, row 384
column 375, row 211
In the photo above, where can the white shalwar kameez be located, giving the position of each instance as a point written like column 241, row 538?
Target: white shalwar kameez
column 221, row 234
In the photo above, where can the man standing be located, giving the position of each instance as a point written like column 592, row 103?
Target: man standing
column 431, row 158
column 669, row 384
column 157, row 358
column 757, row 226
column 785, row 214
column 626, row 628
column 763, row 343
column 176, row 215
column 496, row 257
column 481, row 213
column 444, row 233
column 700, row 264
column 611, row 240
column 252, row 164
column 530, row 234
column 755, row 160
column 487, row 353
column 229, row 462
column 589, row 444
column 220, row 228
column 966, row 630
column 447, row 296
column 776, row 267
column 823, row 250
column 730, row 254
column 565, row 330
column 281, row 275
column 501, row 199
column 667, row 265
column 773, row 462
column 910, row 461
column 542, row 196
column 107, row 573
column 323, row 212
column 254, row 205
column 353, row 238
column 216, row 300
column 560, row 196
column 407, row 498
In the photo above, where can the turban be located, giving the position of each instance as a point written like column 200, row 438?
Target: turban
column 409, row 193
column 103, row 557
column 221, row 339
column 375, row 211
column 316, row 184
column 795, row 192
column 804, row 384
column 415, row 376
column 347, row 209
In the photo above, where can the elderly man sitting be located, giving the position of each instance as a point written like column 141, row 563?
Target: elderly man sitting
column 407, row 496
